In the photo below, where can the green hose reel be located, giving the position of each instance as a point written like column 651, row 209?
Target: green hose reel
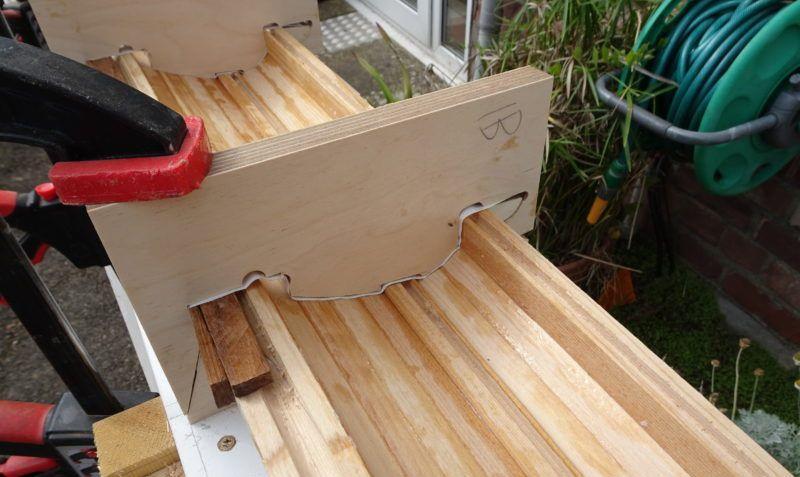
column 736, row 64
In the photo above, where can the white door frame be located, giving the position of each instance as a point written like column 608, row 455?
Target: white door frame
column 416, row 23
column 446, row 64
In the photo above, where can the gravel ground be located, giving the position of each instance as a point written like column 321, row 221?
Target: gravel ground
column 85, row 295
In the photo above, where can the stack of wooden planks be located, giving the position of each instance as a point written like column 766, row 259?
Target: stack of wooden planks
column 495, row 364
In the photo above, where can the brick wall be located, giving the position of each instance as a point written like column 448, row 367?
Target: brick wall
column 748, row 246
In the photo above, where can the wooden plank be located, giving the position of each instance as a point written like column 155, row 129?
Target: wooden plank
column 675, row 415
column 309, row 426
column 187, row 37
column 236, row 345
column 215, row 373
column 135, row 442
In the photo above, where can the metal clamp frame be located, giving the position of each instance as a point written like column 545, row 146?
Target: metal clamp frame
column 780, row 119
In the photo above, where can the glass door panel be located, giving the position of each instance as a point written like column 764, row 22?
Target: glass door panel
column 411, row 16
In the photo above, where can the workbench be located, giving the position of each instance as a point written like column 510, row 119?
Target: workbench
column 496, row 363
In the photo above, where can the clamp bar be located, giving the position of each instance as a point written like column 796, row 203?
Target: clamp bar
column 136, row 179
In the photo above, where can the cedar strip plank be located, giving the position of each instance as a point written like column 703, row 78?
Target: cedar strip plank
column 372, row 392
column 697, row 436
column 528, row 389
column 236, row 345
column 310, row 427
column 330, row 91
column 372, row 445
column 258, row 122
column 530, row 446
column 631, row 445
column 133, row 74
column 434, row 428
column 274, row 452
column 215, row 373
column 475, row 433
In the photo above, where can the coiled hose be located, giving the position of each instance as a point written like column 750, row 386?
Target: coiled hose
column 709, row 36
column 705, row 41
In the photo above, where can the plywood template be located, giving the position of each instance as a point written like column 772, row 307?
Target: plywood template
column 494, row 364
column 190, row 37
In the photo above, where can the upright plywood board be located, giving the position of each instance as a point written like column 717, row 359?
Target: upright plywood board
column 342, row 208
column 188, row 37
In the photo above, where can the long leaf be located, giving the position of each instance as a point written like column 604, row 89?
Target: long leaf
column 378, row 77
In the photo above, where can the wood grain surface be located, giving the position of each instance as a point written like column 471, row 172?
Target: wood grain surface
column 241, row 357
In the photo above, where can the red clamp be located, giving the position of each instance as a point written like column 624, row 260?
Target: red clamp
column 136, row 179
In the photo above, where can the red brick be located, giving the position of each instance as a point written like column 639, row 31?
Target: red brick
column 695, row 217
column 781, row 241
column 736, row 211
column 756, row 302
column 743, row 251
column 792, row 172
column 778, row 199
column 784, row 282
column 698, row 256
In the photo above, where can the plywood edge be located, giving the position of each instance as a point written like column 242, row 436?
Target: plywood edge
column 373, row 119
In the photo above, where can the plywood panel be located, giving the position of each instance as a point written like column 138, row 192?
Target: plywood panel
column 187, row 37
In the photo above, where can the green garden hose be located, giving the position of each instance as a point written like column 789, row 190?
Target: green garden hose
column 729, row 60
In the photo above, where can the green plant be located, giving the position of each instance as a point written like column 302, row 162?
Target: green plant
column 780, row 439
column 677, row 317
column 377, row 76
column 575, row 41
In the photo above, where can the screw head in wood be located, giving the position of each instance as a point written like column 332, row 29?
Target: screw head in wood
column 226, row 443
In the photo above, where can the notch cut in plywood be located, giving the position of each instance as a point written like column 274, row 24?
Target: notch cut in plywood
column 190, row 37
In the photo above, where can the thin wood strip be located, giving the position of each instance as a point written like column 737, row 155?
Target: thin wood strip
column 371, row 443
column 258, row 122
column 433, row 427
column 133, row 74
column 474, row 432
column 271, row 90
column 631, row 445
column 330, row 91
column 526, row 388
column 308, row 423
column 532, row 448
column 215, row 373
column 236, row 345
column 373, row 394
column 274, row 452
column 682, row 423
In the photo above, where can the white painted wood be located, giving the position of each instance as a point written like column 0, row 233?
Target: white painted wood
column 188, row 37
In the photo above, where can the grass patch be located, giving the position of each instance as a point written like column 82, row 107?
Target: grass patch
column 676, row 316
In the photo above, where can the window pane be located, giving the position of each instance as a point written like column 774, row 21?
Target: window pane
column 411, row 3
column 454, row 30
